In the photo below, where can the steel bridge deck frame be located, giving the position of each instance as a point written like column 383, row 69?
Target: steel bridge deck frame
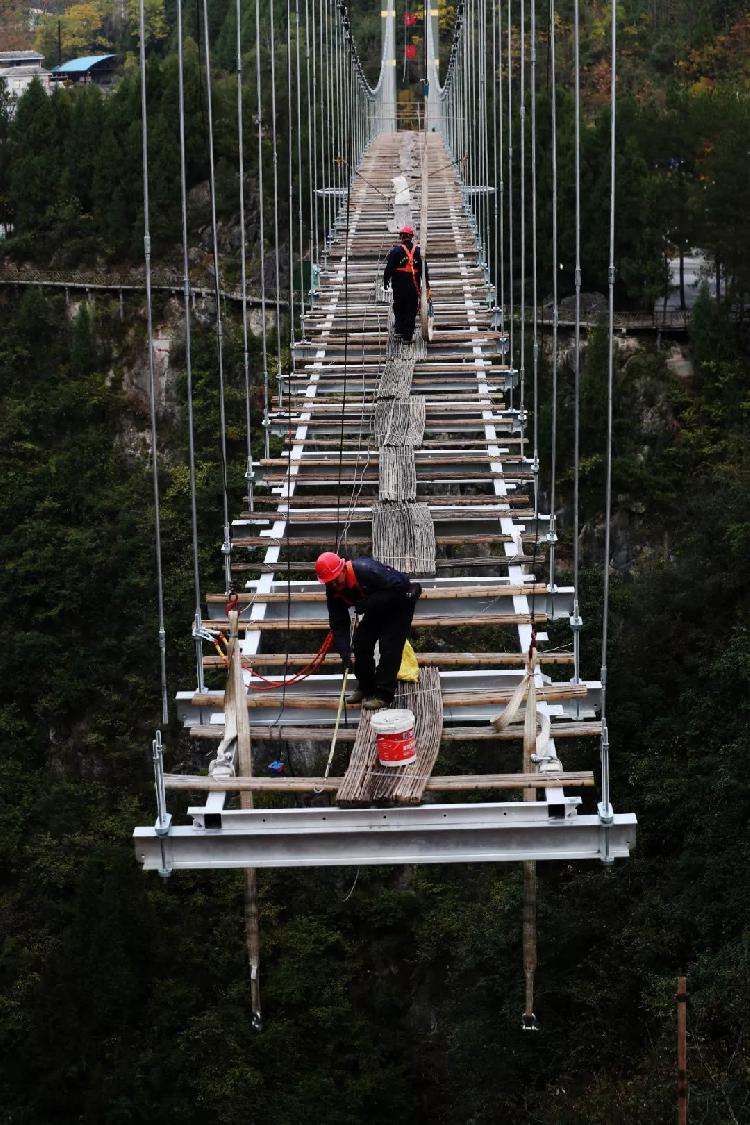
column 481, row 833
column 462, row 372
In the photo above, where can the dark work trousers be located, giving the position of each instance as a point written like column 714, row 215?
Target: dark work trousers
column 387, row 620
column 405, row 305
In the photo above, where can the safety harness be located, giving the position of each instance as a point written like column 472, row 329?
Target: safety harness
column 409, row 266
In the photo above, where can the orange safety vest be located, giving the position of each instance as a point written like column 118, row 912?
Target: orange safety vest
column 409, row 267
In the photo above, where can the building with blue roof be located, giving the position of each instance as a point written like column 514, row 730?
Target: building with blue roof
column 96, row 70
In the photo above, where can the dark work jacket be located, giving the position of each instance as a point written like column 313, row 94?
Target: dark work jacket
column 402, row 282
column 377, row 583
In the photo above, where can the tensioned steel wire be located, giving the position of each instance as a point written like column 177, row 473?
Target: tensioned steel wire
column 576, row 622
column 243, row 264
column 510, row 200
column 290, row 174
column 188, row 350
column 535, row 295
column 522, row 179
column 275, row 153
column 605, row 808
column 261, row 234
column 152, row 376
column 226, row 546
column 553, row 420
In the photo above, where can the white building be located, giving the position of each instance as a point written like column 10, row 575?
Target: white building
column 20, row 68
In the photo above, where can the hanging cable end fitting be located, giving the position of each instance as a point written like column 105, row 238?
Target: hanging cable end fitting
column 606, row 816
column 529, row 1022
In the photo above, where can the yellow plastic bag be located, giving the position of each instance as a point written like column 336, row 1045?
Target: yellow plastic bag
column 409, row 670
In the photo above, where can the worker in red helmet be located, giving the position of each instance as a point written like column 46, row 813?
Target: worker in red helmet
column 384, row 599
column 403, row 270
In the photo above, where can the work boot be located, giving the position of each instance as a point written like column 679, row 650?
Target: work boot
column 356, row 696
column 374, row 703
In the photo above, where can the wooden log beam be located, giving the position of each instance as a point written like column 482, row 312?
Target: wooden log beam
column 436, row 784
column 441, row 659
column 552, row 693
column 262, row 732
column 440, row 620
column 429, row 593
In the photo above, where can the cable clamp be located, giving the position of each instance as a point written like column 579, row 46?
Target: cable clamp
column 611, row 272
column 576, row 622
column 201, row 633
column 577, row 276
column 226, row 548
column 606, row 816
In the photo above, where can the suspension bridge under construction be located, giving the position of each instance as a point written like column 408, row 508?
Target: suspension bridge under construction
column 425, row 456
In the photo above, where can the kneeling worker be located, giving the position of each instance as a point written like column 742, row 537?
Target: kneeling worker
column 386, row 598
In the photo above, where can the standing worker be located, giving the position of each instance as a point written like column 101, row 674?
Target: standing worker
column 403, row 269
column 386, row 599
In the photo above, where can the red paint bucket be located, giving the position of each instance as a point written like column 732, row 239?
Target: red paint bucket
column 394, row 732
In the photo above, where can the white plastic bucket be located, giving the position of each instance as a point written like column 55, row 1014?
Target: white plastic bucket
column 394, row 731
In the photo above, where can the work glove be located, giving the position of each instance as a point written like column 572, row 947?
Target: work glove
column 414, row 592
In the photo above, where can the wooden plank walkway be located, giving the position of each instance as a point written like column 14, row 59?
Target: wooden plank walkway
column 366, row 782
column 418, row 454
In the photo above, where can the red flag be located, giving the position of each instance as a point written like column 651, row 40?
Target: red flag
column 410, row 19
column 411, row 52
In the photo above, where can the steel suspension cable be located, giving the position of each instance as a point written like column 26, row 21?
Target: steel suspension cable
column 314, row 116
column 575, row 620
column 261, row 237
column 189, row 351
column 501, row 165
column 151, row 374
column 226, row 545
column 605, row 808
column 275, row 151
column 299, row 166
column 510, row 198
column 249, row 475
column 522, row 178
column 312, row 234
column 534, row 291
column 290, row 170
column 495, row 232
column 485, row 196
column 552, row 537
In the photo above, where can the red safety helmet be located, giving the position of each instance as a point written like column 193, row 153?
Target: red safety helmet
column 407, row 230
column 328, row 566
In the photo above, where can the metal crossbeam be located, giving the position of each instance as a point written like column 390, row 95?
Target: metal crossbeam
column 487, row 833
